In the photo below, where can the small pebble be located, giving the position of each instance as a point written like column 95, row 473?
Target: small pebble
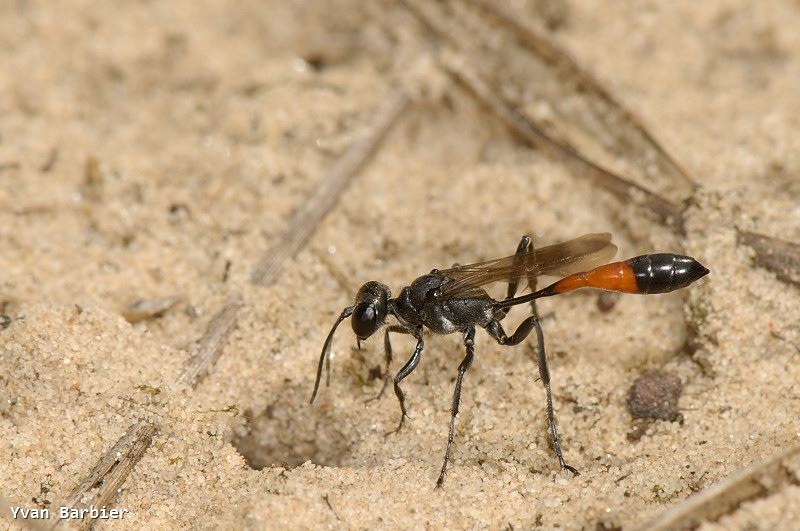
column 149, row 308
column 607, row 300
column 654, row 395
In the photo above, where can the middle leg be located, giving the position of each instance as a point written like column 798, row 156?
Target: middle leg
column 469, row 343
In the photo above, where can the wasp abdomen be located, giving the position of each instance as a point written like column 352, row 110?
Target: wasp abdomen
column 646, row 274
column 665, row 272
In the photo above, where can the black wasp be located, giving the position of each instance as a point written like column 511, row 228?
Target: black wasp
column 453, row 300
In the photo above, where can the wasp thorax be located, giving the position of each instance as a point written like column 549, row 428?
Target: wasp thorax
column 370, row 309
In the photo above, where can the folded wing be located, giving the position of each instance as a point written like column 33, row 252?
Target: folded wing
column 560, row 259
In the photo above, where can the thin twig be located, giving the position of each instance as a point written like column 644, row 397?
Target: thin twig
column 208, row 349
column 111, row 471
column 458, row 68
column 779, row 256
column 311, row 213
column 710, row 504
column 667, row 211
column 622, row 120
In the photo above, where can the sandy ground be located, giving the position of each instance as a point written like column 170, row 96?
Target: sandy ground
column 208, row 128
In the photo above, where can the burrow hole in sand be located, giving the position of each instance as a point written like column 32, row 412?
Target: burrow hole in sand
column 289, row 432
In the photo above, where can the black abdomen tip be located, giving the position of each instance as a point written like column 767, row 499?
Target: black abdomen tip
column 695, row 270
column 665, row 272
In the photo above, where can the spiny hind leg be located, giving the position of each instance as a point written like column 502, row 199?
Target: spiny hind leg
column 495, row 329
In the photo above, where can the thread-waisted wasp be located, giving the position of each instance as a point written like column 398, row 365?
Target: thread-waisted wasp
column 453, row 300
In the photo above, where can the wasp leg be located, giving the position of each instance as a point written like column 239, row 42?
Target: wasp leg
column 525, row 245
column 387, row 351
column 407, row 369
column 495, row 329
column 469, row 343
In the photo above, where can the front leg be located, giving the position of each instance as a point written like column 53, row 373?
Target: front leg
column 495, row 329
column 407, row 369
column 387, row 352
column 469, row 343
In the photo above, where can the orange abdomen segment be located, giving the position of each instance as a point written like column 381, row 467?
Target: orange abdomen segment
column 617, row 276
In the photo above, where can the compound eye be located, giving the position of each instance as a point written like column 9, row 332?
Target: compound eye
column 364, row 320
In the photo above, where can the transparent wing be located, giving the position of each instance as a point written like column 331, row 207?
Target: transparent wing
column 561, row 259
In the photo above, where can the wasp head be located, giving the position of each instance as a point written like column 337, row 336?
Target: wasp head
column 370, row 309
